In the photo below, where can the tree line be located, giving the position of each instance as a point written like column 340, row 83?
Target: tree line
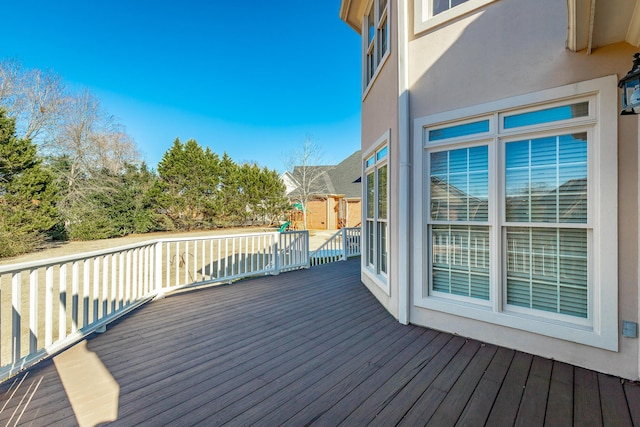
column 68, row 170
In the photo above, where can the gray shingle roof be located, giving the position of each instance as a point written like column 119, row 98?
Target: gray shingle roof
column 346, row 176
column 343, row 178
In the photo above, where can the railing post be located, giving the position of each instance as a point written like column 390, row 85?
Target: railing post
column 276, row 254
column 307, row 250
column 344, row 244
column 16, row 304
column 158, row 269
column 33, row 311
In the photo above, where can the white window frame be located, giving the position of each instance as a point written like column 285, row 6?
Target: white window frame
column 601, row 328
column 424, row 20
column 372, row 50
column 373, row 270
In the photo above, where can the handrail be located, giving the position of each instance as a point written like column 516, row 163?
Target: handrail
column 50, row 304
column 341, row 246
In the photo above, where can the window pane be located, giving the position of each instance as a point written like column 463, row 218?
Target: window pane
column 460, row 260
column 370, row 243
column 382, row 192
column 555, row 114
column 383, row 34
column 370, row 162
column 459, row 130
column 370, row 195
column 382, row 5
column 546, row 179
column 371, row 67
column 382, row 154
column 460, row 184
column 440, row 6
column 371, row 24
column 547, row 269
column 382, row 247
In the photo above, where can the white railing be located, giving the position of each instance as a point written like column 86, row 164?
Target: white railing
column 341, row 246
column 48, row 305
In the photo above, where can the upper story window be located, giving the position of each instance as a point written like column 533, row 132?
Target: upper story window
column 376, row 38
column 440, row 6
column 431, row 13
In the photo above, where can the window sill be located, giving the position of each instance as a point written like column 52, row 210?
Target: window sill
column 577, row 333
column 379, row 280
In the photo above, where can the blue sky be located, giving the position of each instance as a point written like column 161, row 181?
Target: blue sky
column 249, row 78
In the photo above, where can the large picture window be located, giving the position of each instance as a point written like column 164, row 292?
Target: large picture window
column 520, row 214
column 376, row 195
column 544, row 261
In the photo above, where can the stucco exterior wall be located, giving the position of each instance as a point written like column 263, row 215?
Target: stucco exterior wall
column 512, row 48
column 379, row 116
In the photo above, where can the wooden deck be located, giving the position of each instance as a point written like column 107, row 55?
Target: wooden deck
column 309, row 347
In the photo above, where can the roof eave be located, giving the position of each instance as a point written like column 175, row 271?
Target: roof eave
column 597, row 23
column 349, row 14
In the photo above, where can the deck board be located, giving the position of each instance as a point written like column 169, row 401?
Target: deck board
column 477, row 410
column 615, row 410
column 534, row 400
column 586, row 400
column 364, row 405
column 560, row 401
column 312, row 347
column 632, row 394
column 457, row 398
column 507, row 403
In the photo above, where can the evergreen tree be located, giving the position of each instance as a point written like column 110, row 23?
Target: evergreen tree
column 187, row 186
column 27, row 193
column 120, row 209
column 229, row 192
column 274, row 200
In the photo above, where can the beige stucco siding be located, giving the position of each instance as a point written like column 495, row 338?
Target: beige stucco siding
column 512, row 48
column 380, row 116
column 508, row 48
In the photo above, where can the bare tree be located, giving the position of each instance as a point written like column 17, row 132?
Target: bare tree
column 116, row 150
column 84, row 145
column 304, row 165
column 36, row 98
column 63, row 123
column 94, row 147
column 10, row 72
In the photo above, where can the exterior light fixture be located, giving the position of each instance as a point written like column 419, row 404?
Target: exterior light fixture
column 630, row 85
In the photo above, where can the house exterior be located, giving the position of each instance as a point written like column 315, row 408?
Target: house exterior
column 336, row 194
column 500, row 183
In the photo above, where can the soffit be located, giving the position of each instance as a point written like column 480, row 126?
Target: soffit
column 351, row 12
column 597, row 23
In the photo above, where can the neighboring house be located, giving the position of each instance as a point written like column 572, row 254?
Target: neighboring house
column 337, row 194
column 501, row 183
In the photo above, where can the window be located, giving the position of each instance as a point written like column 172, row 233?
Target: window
column 376, row 218
column 459, row 232
column 546, row 190
column 432, row 13
column 439, row 6
column 520, row 213
column 377, row 38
